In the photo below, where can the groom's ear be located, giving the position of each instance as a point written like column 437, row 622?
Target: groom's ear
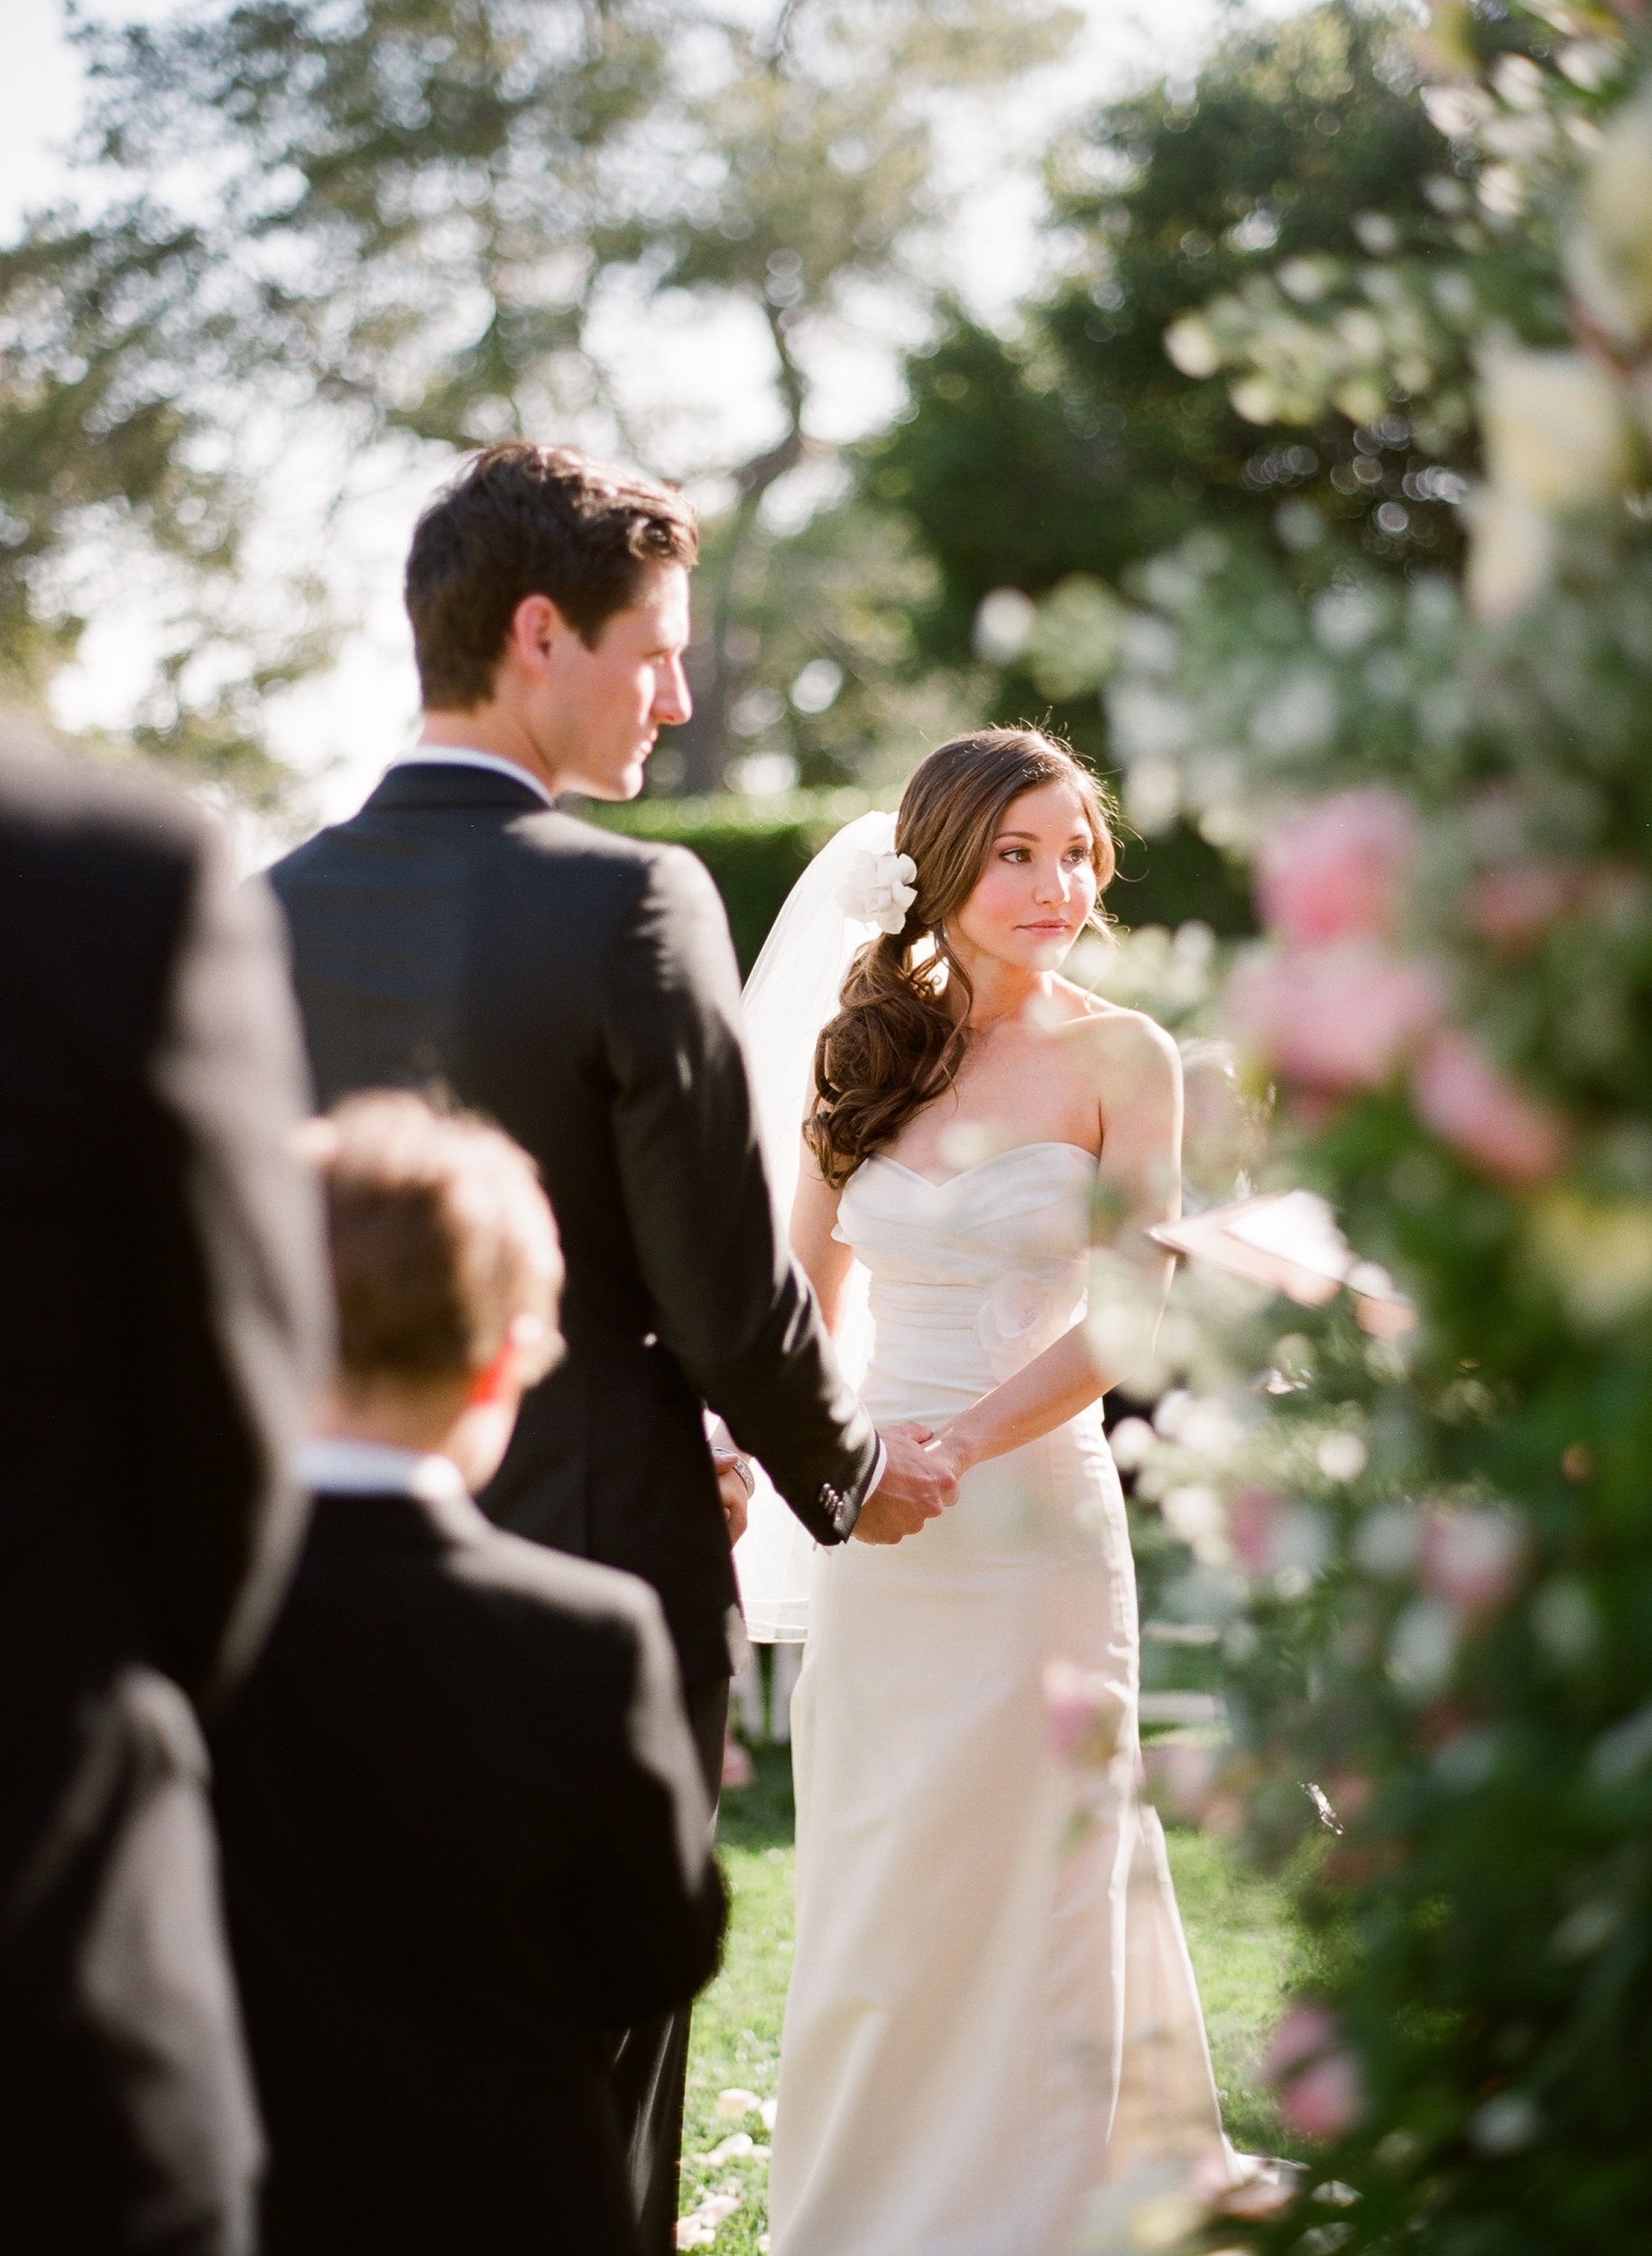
column 536, row 625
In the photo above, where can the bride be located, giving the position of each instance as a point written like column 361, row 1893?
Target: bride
column 992, row 2013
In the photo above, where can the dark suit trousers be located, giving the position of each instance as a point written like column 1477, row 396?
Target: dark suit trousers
column 650, row 2066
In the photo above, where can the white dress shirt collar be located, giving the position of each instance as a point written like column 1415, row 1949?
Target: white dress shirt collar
column 462, row 756
column 371, row 1468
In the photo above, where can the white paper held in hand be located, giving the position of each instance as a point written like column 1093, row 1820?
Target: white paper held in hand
column 1290, row 1240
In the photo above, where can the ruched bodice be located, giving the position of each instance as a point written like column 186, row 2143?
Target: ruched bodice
column 971, row 1278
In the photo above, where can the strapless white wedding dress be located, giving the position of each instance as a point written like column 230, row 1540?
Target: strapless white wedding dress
column 992, row 2013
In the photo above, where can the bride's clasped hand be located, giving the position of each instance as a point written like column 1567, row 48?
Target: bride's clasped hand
column 917, row 1486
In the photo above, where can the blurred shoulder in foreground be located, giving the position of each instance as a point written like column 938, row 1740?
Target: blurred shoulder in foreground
column 162, row 1323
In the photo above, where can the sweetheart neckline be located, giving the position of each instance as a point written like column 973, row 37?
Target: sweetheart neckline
column 1046, row 1144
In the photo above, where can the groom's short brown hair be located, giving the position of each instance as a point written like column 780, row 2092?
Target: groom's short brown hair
column 519, row 521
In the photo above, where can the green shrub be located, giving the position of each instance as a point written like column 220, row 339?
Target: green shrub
column 757, row 849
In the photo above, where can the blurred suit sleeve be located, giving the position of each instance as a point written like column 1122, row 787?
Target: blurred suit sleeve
column 734, row 1309
column 644, row 1896
column 235, row 1313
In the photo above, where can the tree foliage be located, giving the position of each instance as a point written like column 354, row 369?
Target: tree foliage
column 1064, row 456
column 1054, row 460
column 417, row 215
column 1077, row 445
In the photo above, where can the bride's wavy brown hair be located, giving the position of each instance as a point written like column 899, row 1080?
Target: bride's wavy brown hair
column 899, row 1036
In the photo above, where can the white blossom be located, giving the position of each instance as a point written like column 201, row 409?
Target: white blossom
column 1609, row 259
column 1190, row 345
column 1555, row 430
column 879, row 890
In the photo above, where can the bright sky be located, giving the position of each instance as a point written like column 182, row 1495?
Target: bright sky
column 342, row 727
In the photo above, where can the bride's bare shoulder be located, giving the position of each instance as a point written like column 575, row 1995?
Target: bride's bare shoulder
column 1119, row 1041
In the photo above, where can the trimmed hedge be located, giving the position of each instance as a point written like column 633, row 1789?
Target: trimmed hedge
column 1177, row 879
column 756, row 850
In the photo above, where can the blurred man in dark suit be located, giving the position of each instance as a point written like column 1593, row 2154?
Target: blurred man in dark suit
column 163, row 1319
column 463, row 1821
column 580, row 988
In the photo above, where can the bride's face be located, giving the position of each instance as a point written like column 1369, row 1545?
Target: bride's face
column 1035, row 895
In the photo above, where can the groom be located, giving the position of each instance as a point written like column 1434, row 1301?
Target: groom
column 580, row 988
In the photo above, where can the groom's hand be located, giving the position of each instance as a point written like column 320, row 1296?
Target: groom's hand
column 915, row 1487
column 733, row 1489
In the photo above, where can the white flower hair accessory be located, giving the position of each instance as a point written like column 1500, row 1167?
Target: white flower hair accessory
column 880, row 890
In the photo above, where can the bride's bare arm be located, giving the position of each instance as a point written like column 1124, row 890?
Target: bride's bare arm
column 826, row 1261
column 1139, row 1184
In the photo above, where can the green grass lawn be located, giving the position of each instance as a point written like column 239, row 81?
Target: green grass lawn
column 1243, row 1946
column 1238, row 1931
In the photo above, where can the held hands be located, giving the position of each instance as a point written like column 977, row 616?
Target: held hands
column 919, row 1480
column 919, row 1484
column 734, row 1489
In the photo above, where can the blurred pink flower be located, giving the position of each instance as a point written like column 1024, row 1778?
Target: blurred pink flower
column 1334, row 872
column 1302, row 2033
column 1352, row 1793
column 1472, row 1556
column 1321, row 2091
column 1335, row 1018
column 1252, row 1514
column 1514, row 903
column 1325, row 2100
column 1472, row 1105
column 1084, row 1712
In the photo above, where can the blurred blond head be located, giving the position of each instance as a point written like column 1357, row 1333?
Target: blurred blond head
column 447, row 1273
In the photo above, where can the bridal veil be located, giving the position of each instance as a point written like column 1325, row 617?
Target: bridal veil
column 789, row 998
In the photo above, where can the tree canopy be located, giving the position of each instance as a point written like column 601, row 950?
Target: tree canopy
column 415, row 214
column 1077, row 445
column 1054, row 456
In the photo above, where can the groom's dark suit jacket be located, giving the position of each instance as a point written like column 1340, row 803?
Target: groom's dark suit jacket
column 581, row 988
column 463, row 1831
